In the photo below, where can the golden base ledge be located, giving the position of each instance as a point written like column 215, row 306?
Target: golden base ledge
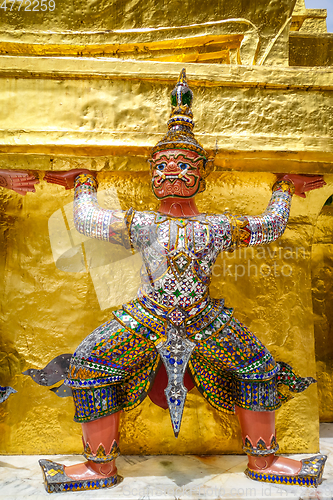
column 133, row 157
column 268, row 77
column 259, row 118
column 108, row 159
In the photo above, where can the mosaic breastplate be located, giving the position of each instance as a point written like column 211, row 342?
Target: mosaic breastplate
column 178, row 255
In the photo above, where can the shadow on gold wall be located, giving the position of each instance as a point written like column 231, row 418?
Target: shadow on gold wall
column 322, row 296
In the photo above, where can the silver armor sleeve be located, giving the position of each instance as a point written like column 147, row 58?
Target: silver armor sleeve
column 96, row 222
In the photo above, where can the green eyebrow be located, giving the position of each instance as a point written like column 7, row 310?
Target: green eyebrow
column 160, row 160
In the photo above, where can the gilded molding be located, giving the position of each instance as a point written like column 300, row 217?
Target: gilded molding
column 77, row 96
column 268, row 77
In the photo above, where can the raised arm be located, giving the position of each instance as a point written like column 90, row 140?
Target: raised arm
column 266, row 227
column 270, row 225
column 89, row 218
column 92, row 220
column 234, row 231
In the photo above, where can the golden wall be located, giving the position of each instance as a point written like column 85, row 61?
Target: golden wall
column 322, row 270
column 222, row 31
column 84, row 87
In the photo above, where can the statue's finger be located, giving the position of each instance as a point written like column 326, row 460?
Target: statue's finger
column 30, row 183
column 25, row 182
column 49, row 177
column 17, row 178
column 28, row 190
column 318, row 185
column 54, row 179
column 23, row 186
column 31, row 177
column 60, row 182
column 23, row 175
column 311, row 187
column 319, row 182
column 16, row 174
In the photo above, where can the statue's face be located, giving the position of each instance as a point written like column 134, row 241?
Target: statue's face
column 175, row 173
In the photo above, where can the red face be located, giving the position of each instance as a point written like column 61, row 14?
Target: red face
column 175, row 173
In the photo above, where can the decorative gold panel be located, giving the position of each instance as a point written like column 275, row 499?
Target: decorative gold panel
column 152, row 29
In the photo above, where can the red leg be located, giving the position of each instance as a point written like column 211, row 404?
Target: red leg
column 260, row 425
column 100, row 440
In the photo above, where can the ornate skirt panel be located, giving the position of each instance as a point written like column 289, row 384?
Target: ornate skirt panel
column 113, row 368
column 234, row 368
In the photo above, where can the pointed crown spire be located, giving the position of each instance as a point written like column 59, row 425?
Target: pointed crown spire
column 180, row 124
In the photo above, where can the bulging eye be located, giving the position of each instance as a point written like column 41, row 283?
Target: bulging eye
column 183, row 166
column 161, row 166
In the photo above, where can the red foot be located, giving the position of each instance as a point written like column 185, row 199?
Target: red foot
column 275, row 465
column 91, row 470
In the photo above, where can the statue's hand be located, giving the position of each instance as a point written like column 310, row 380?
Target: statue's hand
column 17, row 180
column 66, row 179
column 304, row 183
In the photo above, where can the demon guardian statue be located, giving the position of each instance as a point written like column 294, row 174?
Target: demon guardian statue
column 174, row 321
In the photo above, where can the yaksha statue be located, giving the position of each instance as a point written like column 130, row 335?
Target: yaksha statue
column 173, row 322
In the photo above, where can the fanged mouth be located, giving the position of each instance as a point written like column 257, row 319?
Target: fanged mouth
column 171, row 177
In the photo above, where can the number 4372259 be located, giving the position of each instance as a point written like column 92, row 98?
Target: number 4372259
column 28, row 5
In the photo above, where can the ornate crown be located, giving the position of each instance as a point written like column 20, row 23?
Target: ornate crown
column 180, row 125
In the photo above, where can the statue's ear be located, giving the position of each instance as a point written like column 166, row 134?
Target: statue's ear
column 209, row 163
column 202, row 186
column 150, row 161
column 208, row 167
